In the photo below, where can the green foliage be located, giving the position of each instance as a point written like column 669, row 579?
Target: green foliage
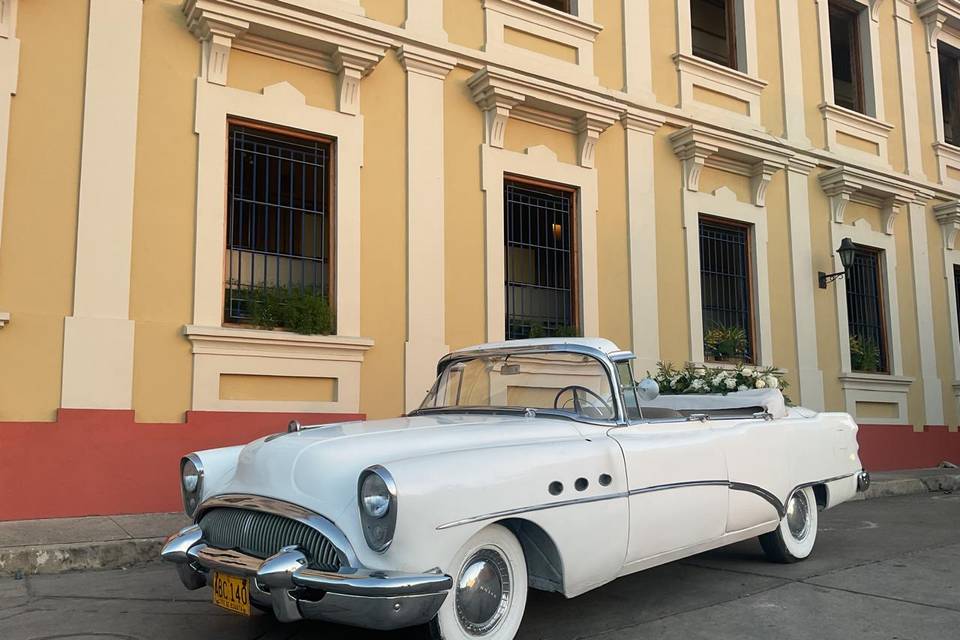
column 538, row 330
column 724, row 343
column 291, row 309
column 864, row 354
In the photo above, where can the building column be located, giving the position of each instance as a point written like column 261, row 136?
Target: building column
column 426, row 332
column 920, row 253
column 801, row 257
column 636, row 49
column 794, row 124
column 9, row 72
column 98, row 337
column 642, row 233
column 908, row 88
column 426, row 18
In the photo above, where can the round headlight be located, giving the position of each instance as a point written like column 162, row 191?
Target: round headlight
column 191, row 476
column 375, row 496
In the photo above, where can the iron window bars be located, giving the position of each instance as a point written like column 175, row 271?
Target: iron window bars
column 278, row 215
column 725, row 283
column 540, row 260
column 865, row 314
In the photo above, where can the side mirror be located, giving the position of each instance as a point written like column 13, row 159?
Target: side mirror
column 648, row 389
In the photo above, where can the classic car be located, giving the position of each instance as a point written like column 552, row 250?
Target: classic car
column 536, row 464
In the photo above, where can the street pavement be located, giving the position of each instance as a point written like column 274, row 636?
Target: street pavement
column 885, row 569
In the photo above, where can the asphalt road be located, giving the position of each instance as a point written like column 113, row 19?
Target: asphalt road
column 885, row 569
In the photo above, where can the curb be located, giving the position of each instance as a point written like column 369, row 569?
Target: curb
column 80, row 556
column 118, row 554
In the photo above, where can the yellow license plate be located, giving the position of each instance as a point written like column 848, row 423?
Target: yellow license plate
column 231, row 592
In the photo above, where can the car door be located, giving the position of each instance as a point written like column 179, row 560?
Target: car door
column 676, row 478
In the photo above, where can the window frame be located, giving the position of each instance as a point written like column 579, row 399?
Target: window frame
column 575, row 284
column 880, row 260
column 331, row 200
column 730, row 10
column 945, row 51
column 570, row 6
column 853, row 12
column 956, row 307
column 748, row 229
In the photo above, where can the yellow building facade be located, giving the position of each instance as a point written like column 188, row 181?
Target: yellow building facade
column 449, row 172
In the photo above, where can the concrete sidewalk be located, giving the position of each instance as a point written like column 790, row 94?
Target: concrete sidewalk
column 110, row 542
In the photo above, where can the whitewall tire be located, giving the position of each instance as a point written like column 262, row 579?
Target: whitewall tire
column 794, row 538
column 489, row 590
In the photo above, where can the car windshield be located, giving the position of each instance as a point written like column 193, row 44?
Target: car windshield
column 570, row 383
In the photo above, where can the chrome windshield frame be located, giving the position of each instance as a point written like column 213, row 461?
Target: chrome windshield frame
column 600, row 356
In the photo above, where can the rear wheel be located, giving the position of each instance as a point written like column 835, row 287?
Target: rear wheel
column 489, row 589
column 794, row 538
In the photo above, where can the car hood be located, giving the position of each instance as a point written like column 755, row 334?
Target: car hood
column 318, row 467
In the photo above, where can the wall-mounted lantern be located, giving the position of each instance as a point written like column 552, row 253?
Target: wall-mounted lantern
column 847, row 253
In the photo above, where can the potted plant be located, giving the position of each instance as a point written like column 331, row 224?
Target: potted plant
column 864, row 354
column 723, row 343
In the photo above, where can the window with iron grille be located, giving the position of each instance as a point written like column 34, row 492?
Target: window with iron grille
column 541, row 262
column 865, row 315
column 278, row 216
column 726, row 292
column 713, row 31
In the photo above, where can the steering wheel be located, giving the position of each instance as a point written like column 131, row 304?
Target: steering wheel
column 606, row 409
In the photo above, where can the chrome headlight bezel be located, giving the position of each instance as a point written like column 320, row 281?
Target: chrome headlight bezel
column 191, row 496
column 378, row 530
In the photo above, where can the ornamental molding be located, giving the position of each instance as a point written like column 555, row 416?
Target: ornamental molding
column 697, row 147
column 559, row 21
column 425, row 62
column 8, row 19
column 4, row 319
column 948, row 215
column 635, row 120
column 299, row 33
column 845, row 184
column 231, row 341
column 501, row 94
column 937, row 15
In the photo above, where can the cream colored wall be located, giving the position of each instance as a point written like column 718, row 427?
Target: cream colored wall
column 40, row 205
column 663, row 42
column 768, row 40
column 608, row 50
column 944, row 337
column 161, row 286
column 782, row 318
column 463, row 22
column 812, row 79
column 387, row 11
column 383, row 238
column 893, row 109
column 828, row 342
column 921, row 77
column 612, row 237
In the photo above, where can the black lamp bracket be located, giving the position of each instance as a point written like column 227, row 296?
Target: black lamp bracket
column 827, row 278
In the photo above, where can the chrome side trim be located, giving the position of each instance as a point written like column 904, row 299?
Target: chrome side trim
column 287, row 510
column 774, row 501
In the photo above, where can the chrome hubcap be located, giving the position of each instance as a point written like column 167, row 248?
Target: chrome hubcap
column 483, row 592
column 798, row 515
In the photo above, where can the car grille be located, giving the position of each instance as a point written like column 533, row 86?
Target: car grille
column 261, row 535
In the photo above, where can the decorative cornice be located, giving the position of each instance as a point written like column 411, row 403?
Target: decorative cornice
column 4, row 319
column 874, row 7
column 843, row 184
column 697, row 146
column 543, row 15
column 498, row 92
column 727, row 76
column 644, row 122
column 948, row 215
column 425, row 61
column 937, row 14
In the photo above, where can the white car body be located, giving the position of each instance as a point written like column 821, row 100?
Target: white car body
column 671, row 487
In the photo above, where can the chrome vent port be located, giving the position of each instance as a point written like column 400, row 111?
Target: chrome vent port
column 261, row 535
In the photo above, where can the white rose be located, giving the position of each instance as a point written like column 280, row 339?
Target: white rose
column 772, row 382
column 743, row 387
column 700, row 372
column 747, row 371
column 761, row 384
column 731, row 383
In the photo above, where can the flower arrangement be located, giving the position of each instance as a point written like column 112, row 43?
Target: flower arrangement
column 701, row 379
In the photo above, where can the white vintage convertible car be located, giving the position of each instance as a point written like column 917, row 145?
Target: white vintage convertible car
column 531, row 464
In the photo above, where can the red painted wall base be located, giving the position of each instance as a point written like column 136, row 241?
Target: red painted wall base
column 888, row 447
column 102, row 462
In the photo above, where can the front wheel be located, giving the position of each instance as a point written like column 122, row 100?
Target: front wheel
column 489, row 589
column 793, row 539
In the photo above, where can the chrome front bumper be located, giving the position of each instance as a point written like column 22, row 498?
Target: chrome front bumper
column 354, row 596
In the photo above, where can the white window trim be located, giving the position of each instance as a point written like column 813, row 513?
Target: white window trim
column 942, row 22
column 540, row 163
column 869, row 127
column 742, row 84
column 272, row 352
column 948, row 215
column 888, row 388
column 723, row 204
column 575, row 30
